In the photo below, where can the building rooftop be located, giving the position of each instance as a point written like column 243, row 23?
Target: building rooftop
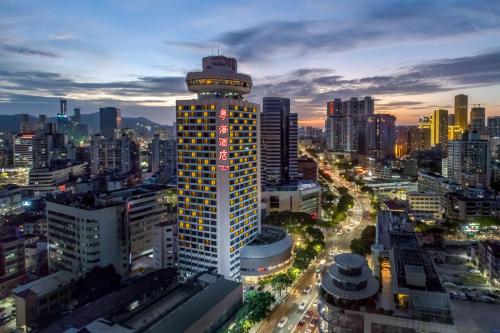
column 116, row 303
column 350, row 278
column 300, row 185
column 44, row 285
column 85, row 201
column 269, row 242
column 179, row 320
column 408, row 263
column 404, row 240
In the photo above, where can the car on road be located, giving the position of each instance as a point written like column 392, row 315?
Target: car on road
column 282, row 322
column 302, row 305
column 309, row 313
column 301, row 324
column 307, row 290
column 307, row 331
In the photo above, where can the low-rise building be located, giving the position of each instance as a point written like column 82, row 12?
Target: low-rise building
column 165, row 244
column 488, row 260
column 303, row 196
column 10, row 201
column 15, row 176
column 53, row 178
column 12, row 261
column 35, row 254
column 41, row 299
column 158, row 303
column 425, row 205
column 471, row 203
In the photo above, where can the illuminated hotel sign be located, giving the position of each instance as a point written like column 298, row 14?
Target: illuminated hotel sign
column 222, row 140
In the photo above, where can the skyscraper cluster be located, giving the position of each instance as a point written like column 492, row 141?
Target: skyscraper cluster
column 353, row 127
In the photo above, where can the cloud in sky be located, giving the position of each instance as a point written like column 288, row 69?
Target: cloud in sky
column 28, row 51
column 309, row 88
column 308, row 51
column 312, row 92
column 376, row 21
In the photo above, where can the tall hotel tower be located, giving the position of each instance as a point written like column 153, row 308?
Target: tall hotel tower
column 217, row 169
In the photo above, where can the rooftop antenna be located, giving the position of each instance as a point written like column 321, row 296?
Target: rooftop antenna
column 218, row 50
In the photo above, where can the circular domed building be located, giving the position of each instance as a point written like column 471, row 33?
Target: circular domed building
column 269, row 253
column 347, row 285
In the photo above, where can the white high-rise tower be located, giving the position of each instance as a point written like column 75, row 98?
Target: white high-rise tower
column 217, row 169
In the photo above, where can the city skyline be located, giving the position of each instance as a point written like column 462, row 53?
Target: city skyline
column 412, row 57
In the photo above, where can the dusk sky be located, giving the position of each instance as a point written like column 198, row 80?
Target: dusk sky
column 412, row 56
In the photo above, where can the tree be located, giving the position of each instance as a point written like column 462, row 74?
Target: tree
column 259, row 304
column 303, row 258
column 315, row 233
column 317, row 245
column 293, row 273
column 362, row 245
column 345, row 202
column 281, row 281
column 343, row 190
column 366, row 189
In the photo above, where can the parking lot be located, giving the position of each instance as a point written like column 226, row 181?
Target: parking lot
column 473, row 299
column 7, row 315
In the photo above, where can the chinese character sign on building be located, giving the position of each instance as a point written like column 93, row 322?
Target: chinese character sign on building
column 222, row 140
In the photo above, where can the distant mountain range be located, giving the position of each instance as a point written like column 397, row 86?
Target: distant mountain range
column 12, row 122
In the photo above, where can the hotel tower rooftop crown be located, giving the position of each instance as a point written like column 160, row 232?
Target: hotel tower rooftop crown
column 219, row 78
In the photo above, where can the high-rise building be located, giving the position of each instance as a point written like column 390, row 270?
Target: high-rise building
column 478, row 119
column 25, row 125
column 334, row 126
column 147, row 206
column 407, row 139
column 22, row 149
column 451, row 119
column 120, row 155
column 469, row 161
column 278, row 134
column 85, row 233
column 110, row 118
column 439, row 129
column 461, row 111
column 308, row 169
column 454, row 133
column 164, row 157
column 41, row 150
column 63, row 104
column 42, row 121
column 63, row 121
column 76, row 115
column 346, row 124
column 48, row 145
column 381, row 136
column 218, row 176
column 354, row 129
column 424, row 135
column 494, row 127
